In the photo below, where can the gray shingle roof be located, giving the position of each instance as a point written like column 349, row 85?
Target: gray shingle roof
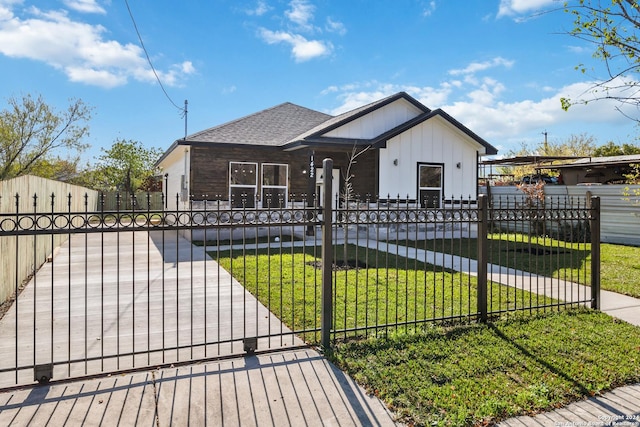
column 272, row 127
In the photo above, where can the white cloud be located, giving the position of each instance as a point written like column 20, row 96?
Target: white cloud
column 261, row 8
column 228, row 90
column 95, row 77
column 78, row 49
column 430, row 9
column 519, row 7
column 579, row 49
column 86, row 6
column 355, row 95
column 475, row 67
column 335, row 27
column 301, row 48
column 506, row 120
column 176, row 73
column 301, row 13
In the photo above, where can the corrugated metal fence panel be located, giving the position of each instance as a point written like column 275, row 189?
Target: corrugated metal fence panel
column 12, row 272
column 620, row 214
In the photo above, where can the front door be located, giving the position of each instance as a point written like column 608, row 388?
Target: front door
column 430, row 184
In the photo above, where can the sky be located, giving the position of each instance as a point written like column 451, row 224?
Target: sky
column 499, row 67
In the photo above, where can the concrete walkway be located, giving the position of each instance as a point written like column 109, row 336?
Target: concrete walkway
column 127, row 300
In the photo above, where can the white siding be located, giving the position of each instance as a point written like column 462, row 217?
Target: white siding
column 176, row 165
column 434, row 141
column 378, row 121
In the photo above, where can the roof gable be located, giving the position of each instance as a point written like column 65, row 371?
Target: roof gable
column 328, row 127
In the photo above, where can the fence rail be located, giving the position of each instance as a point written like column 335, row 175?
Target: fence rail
column 137, row 288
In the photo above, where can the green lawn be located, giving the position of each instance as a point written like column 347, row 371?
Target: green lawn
column 407, row 292
column 253, row 240
column 619, row 264
column 476, row 374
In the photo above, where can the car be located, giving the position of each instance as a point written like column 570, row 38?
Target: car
column 532, row 179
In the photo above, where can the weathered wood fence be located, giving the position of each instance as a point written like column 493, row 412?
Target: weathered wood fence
column 39, row 190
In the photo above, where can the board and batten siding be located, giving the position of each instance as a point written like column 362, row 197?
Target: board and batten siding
column 377, row 122
column 436, row 142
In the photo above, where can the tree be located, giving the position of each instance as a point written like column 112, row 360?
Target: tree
column 347, row 194
column 611, row 149
column 32, row 133
column 127, row 166
column 58, row 169
column 613, row 28
column 581, row 145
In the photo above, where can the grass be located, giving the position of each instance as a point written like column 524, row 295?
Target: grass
column 254, row 240
column 478, row 374
column 406, row 292
column 619, row 264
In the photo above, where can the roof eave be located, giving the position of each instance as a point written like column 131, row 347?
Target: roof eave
column 168, row 151
column 327, row 143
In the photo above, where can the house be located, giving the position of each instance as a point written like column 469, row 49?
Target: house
column 404, row 150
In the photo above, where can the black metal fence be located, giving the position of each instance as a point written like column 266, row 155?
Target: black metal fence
column 131, row 289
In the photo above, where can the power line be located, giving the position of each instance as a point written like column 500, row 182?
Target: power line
column 183, row 110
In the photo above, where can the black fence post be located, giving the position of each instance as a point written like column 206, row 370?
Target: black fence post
column 327, row 255
column 483, row 247
column 594, row 227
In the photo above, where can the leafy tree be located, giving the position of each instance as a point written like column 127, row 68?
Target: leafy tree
column 612, row 27
column 32, row 134
column 65, row 170
column 612, row 149
column 581, row 145
column 126, row 166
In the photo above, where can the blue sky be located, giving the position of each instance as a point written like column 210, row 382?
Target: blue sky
column 498, row 66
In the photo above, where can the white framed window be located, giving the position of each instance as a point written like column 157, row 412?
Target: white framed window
column 275, row 185
column 430, row 184
column 243, row 184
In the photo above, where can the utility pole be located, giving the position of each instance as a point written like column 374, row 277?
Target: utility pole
column 546, row 146
column 186, row 111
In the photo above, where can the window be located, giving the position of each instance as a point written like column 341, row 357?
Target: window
column 243, row 184
column 430, row 185
column 275, row 179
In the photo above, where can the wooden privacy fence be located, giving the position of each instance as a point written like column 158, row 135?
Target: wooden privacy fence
column 34, row 194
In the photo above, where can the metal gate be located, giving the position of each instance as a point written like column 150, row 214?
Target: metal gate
column 128, row 289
